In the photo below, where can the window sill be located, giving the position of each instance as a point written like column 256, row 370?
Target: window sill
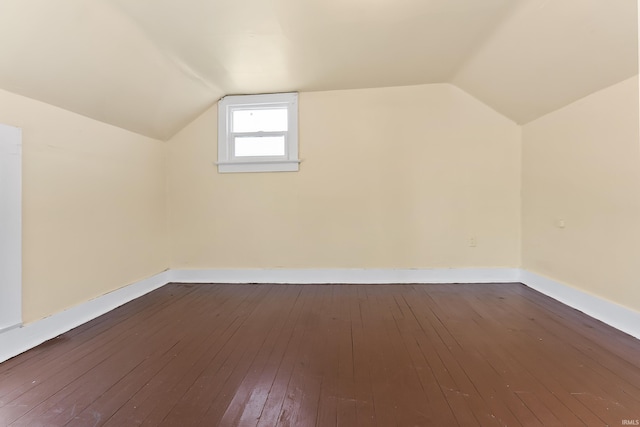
column 262, row 166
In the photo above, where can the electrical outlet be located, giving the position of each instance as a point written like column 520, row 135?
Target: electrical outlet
column 473, row 242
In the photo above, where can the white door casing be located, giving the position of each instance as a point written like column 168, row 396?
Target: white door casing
column 10, row 227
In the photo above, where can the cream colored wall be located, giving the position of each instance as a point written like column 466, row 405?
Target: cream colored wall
column 581, row 164
column 93, row 206
column 391, row 178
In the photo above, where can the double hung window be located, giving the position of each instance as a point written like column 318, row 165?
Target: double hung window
column 258, row 133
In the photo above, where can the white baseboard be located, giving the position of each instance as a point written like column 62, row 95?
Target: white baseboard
column 354, row 276
column 612, row 314
column 19, row 340
column 8, row 328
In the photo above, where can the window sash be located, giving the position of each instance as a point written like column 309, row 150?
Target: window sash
column 232, row 145
column 258, row 107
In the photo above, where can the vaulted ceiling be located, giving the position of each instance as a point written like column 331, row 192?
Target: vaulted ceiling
column 151, row 66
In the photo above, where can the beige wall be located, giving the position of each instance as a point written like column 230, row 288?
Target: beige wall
column 391, row 178
column 581, row 164
column 93, row 206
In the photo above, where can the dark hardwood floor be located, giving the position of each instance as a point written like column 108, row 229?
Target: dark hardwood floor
column 327, row 355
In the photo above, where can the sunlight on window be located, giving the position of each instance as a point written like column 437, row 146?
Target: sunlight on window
column 256, row 146
column 253, row 120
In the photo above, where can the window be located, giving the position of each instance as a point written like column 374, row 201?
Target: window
column 258, row 133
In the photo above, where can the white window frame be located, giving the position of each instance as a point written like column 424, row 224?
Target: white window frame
column 228, row 162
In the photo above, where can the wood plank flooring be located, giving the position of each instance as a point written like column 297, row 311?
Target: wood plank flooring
column 330, row 355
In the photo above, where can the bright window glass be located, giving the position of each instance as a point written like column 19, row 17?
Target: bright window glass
column 254, row 120
column 257, row 146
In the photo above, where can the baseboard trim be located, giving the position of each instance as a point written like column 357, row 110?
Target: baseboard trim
column 621, row 318
column 352, row 276
column 21, row 339
column 8, row 328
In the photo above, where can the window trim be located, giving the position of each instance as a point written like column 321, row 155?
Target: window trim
column 229, row 163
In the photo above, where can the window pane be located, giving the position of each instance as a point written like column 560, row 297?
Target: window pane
column 267, row 120
column 259, row 146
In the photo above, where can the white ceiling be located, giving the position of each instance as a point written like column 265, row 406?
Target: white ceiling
column 151, row 66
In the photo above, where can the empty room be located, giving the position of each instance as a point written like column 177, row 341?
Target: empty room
column 319, row 213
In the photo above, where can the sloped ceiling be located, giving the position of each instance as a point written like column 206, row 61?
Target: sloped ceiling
column 151, row 66
column 549, row 53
